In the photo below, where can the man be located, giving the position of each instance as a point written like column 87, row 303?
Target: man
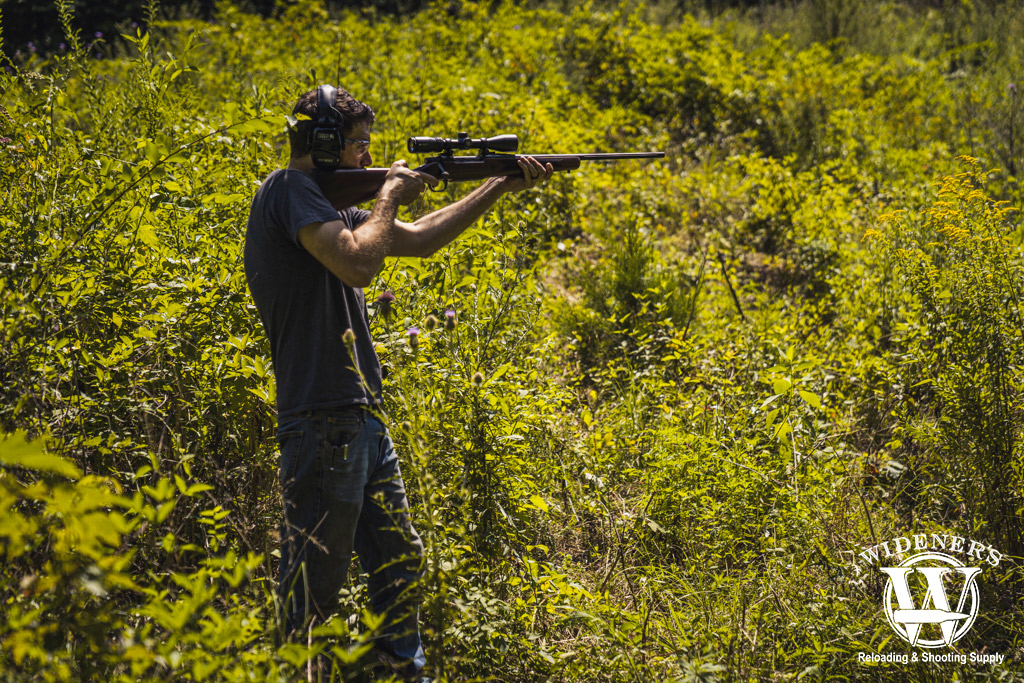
column 306, row 264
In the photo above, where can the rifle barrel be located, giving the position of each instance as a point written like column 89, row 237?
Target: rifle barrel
column 602, row 156
column 622, row 155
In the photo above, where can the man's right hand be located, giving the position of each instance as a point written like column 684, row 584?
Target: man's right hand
column 403, row 184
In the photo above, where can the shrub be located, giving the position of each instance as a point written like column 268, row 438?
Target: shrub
column 961, row 333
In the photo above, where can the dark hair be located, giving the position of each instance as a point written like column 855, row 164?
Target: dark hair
column 349, row 109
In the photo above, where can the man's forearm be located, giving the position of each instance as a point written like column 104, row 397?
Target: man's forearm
column 435, row 230
column 375, row 236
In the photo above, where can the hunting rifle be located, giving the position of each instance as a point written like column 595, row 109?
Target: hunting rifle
column 345, row 187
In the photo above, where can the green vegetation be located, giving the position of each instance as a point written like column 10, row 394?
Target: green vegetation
column 678, row 398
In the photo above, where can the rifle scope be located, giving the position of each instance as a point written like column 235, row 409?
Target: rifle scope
column 499, row 143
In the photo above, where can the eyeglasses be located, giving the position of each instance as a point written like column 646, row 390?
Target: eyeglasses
column 360, row 145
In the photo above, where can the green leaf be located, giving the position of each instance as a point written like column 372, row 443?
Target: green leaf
column 811, row 399
column 147, row 235
column 255, row 126
column 17, row 450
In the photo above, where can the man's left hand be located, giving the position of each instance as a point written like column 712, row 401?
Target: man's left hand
column 533, row 173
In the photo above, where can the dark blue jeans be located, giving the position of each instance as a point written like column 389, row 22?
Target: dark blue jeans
column 343, row 491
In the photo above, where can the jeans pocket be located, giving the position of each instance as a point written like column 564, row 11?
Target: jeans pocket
column 338, row 440
column 290, row 445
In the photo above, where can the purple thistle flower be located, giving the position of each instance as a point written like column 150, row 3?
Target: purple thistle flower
column 449, row 320
column 384, row 303
column 414, row 337
column 31, row 47
column 1012, row 88
column 99, row 34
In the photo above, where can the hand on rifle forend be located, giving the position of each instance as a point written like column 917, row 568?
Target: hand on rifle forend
column 533, row 173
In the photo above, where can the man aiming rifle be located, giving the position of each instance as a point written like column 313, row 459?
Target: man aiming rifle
column 306, row 263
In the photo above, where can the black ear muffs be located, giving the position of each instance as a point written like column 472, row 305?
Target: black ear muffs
column 326, row 141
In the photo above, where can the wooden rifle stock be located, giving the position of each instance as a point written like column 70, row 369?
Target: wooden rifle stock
column 345, row 187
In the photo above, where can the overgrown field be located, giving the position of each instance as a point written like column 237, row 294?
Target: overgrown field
column 679, row 399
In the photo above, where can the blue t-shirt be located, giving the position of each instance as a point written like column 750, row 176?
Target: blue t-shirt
column 304, row 307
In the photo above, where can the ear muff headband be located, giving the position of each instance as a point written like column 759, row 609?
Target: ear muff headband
column 326, row 141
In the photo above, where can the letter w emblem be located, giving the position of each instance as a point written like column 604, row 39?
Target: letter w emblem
column 935, row 608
